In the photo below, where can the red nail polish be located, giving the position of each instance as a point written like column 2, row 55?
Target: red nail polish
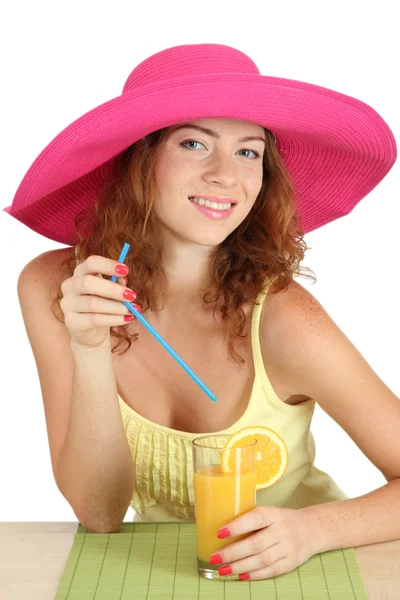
column 129, row 294
column 243, row 576
column 223, row 533
column 215, row 559
column 227, row 570
column 129, row 317
column 121, row 269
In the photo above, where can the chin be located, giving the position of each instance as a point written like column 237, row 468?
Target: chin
column 202, row 236
column 208, row 240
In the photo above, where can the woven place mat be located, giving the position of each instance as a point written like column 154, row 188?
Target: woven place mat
column 148, row 561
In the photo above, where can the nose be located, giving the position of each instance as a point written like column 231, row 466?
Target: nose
column 220, row 169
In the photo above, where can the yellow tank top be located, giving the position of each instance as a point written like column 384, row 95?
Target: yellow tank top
column 163, row 456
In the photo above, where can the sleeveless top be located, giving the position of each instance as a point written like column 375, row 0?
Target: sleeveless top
column 163, row 456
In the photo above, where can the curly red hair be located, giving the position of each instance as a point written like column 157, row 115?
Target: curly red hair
column 267, row 247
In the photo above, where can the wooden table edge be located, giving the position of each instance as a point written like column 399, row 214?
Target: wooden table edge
column 379, row 563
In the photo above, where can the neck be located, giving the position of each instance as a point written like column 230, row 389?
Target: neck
column 187, row 270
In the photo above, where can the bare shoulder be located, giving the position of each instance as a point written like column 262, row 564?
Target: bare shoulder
column 293, row 307
column 293, row 319
column 46, row 269
column 49, row 262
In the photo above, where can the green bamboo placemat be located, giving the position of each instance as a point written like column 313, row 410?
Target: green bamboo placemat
column 147, row 561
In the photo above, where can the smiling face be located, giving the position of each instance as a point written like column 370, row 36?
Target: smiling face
column 221, row 162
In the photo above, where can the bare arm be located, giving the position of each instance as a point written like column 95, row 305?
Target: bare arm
column 91, row 459
column 95, row 470
column 323, row 363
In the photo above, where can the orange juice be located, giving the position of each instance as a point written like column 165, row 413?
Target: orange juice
column 219, row 498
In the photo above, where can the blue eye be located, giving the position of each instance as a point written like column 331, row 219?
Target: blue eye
column 196, row 142
column 253, row 151
column 190, row 141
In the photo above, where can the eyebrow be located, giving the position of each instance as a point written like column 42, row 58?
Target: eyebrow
column 214, row 134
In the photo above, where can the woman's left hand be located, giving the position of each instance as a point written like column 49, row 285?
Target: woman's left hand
column 285, row 538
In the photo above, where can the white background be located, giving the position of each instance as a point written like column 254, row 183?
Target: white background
column 65, row 58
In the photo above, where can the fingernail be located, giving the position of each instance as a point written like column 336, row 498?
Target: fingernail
column 121, row 269
column 138, row 308
column 129, row 317
column 223, row 533
column 243, row 576
column 129, row 294
column 227, row 570
column 215, row 559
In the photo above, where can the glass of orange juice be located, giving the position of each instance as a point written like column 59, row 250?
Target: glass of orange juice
column 224, row 488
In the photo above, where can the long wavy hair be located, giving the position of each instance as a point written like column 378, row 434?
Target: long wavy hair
column 265, row 249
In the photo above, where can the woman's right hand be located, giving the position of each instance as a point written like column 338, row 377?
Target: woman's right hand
column 91, row 304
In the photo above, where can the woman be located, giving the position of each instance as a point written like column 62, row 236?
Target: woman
column 279, row 158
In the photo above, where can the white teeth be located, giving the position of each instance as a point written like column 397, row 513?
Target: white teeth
column 213, row 205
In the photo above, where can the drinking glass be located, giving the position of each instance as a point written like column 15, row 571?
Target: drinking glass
column 224, row 488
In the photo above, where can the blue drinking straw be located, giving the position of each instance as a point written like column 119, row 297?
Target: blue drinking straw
column 158, row 336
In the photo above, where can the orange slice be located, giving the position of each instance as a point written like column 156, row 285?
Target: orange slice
column 271, row 454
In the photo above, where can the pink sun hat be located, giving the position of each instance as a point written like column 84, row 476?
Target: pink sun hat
column 336, row 148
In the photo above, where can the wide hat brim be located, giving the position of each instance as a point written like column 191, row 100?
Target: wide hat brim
column 336, row 148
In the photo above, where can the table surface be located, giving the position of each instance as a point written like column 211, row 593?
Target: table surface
column 33, row 557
